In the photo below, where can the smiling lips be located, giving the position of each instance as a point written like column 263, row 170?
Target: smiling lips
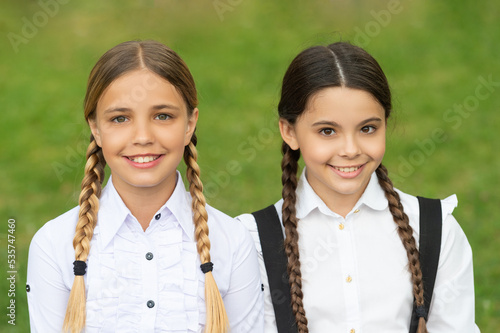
column 143, row 159
column 348, row 169
column 348, row 172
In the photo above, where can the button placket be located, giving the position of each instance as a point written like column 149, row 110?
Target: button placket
column 150, row 284
column 348, row 268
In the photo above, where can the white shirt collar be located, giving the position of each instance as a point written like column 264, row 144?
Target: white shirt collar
column 113, row 212
column 179, row 204
column 308, row 200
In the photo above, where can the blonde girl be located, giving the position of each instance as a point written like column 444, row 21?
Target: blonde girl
column 137, row 256
column 350, row 238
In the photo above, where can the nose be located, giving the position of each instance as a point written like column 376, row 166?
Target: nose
column 143, row 134
column 350, row 147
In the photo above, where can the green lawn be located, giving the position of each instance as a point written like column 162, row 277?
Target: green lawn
column 437, row 57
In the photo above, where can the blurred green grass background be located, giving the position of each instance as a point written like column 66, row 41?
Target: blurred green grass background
column 434, row 54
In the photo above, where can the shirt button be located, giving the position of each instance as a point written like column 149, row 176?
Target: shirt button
column 348, row 279
column 341, row 226
column 150, row 304
column 356, row 211
column 28, row 288
column 149, row 256
column 157, row 216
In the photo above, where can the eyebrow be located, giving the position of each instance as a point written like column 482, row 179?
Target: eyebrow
column 369, row 120
column 155, row 107
column 334, row 124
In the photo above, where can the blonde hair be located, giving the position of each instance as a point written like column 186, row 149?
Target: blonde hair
column 164, row 62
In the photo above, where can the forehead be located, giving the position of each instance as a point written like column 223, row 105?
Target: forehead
column 138, row 88
column 341, row 104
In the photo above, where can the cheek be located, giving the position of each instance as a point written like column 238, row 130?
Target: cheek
column 376, row 148
column 317, row 151
column 112, row 140
column 173, row 137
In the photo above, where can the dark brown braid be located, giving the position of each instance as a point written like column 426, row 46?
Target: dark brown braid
column 405, row 232
column 289, row 167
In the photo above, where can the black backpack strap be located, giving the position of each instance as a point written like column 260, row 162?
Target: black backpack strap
column 429, row 249
column 275, row 259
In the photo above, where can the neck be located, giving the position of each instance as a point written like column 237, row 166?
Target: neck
column 144, row 202
column 341, row 205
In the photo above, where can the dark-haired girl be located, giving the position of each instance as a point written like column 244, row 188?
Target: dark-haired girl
column 351, row 239
column 137, row 256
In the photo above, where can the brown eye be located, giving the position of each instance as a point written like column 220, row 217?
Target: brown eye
column 327, row 131
column 368, row 129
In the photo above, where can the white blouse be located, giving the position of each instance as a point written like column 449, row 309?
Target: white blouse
column 144, row 281
column 355, row 270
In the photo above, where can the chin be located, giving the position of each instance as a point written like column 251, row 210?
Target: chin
column 144, row 183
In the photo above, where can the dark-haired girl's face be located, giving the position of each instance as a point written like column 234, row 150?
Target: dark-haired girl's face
column 341, row 136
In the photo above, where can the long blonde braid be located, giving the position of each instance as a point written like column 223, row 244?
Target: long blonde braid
column 217, row 321
column 74, row 320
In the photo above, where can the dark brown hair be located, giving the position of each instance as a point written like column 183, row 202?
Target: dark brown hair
column 337, row 65
column 163, row 61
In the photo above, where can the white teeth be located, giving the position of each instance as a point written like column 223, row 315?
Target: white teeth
column 143, row 159
column 351, row 169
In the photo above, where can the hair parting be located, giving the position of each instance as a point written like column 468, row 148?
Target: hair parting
column 217, row 321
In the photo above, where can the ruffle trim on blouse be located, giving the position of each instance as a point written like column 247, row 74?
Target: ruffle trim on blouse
column 177, row 280
column 448, row 205
column 115, row 301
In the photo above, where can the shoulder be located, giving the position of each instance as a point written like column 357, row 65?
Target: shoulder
column 248, row 221
column 218, row 219
column 228, row 228
column 59, row 232
column 51, row 249
column 452, row 233
column 412, row 209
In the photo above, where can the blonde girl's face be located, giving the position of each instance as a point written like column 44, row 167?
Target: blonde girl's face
column 341, row 137
column 142, row 126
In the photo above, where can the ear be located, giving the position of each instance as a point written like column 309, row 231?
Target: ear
column 288, row 134
column 95, row 132
column 191, row 126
